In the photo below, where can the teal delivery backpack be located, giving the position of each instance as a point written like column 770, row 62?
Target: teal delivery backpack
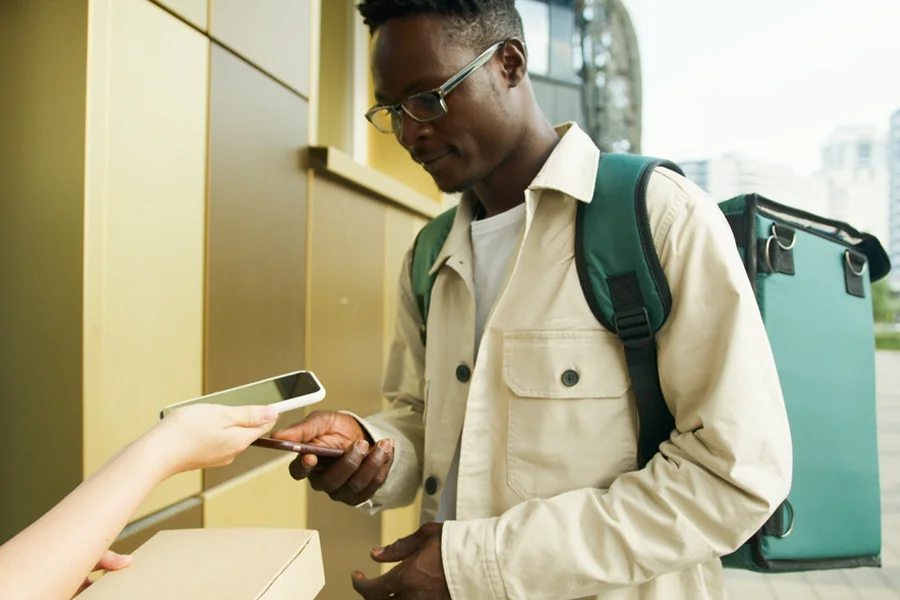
column 812, row 280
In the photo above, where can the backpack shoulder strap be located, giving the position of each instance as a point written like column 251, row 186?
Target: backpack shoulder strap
column 624, row 283
column 426, row 247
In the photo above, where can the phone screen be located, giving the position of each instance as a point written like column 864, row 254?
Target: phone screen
column 269, row 391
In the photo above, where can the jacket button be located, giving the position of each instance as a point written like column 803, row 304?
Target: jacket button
column 431, row 485
column 569, row 378
column 463, row 373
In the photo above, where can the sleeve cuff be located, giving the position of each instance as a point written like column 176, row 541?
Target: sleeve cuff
column 374, row 433
column 469, row 556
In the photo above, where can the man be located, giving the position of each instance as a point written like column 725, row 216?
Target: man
column 531, row 486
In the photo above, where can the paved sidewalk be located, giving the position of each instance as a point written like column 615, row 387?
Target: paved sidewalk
column 851, row 584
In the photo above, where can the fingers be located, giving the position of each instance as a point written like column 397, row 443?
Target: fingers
column 251, row 423
column 254, row 416
column 111, row 561
column 302, row 466
column 379, row 588
column 265, row 428
column 335, row 476
column 358, row 475
column 352, row 479
column 369, row 477
column 374, row 486
column 399, row 550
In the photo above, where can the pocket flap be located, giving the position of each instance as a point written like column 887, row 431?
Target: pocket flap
column 564, row 364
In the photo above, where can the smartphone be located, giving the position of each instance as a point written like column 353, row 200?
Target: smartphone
column 283, row 392
column 299, row 448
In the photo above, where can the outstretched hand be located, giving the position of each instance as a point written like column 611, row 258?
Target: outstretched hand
column 420, row 574
column 351, row 479
column 210, row 435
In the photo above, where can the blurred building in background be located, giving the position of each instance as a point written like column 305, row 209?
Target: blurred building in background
column 727, row 176
column 855, row 174
column 584, row 63
column 894, row 220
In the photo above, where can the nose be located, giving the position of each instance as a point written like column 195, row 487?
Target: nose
column 411, row 131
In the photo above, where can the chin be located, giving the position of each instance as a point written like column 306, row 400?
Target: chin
column 455, row 189
column 449, row 184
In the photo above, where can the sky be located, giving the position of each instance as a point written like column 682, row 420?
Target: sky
column 768, row 79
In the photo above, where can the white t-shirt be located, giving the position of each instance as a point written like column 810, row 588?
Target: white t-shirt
column 493, row 243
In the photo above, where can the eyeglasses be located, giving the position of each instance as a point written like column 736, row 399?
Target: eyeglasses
column 425, row 106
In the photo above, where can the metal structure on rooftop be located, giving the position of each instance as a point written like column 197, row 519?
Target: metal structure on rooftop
column 610, row 72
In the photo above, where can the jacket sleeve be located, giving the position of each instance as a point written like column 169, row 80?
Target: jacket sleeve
column 402, row 419
column 723, row 472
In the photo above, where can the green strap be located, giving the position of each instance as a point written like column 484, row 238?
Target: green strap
column 624, row 283
column 427, row 246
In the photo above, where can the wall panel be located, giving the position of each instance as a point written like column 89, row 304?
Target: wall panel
column 195, row 12
column 184, row 515
column 267, row 497
column 274, row 35
column 256, row 297
column 335, row 72
column 346, row 347
column 42, row 100
column 144, row 223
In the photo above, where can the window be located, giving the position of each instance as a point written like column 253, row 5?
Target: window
column 562, row 35
column 553, row 43
column 864, row 154
column 536, row 22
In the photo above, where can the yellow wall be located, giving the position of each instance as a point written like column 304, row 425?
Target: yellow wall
column 164, row 233
column 145, row 210
column 335, row 76
column 41, row 234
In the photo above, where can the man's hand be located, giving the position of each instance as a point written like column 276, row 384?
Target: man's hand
column 420, row 575
column 351, row 479
column 110, row 561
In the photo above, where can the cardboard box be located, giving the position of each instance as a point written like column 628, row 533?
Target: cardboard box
column 219, row 564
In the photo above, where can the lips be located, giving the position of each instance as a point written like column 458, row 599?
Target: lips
column 432, row 161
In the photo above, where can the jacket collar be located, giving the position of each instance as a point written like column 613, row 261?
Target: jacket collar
column 571, row 169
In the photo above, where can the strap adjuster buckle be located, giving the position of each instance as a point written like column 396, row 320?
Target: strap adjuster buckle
column 633, row 326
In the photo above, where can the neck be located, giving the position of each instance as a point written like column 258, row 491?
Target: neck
column 505, row 187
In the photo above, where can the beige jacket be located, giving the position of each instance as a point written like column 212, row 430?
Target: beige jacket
column 550, row 504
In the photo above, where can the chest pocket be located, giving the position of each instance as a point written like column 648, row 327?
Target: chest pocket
column 571, row 421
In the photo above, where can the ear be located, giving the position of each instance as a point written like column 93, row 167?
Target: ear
column 514, row 62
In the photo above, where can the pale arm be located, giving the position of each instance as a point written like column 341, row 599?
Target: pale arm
column 51, row 558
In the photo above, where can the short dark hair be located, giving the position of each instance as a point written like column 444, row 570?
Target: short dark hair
column 479, row 23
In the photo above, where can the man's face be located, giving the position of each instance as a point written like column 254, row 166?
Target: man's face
column 414, row 55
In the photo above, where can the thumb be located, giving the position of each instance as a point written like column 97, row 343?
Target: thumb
column 254, row 416
column 112, row 561
column 310, row 428
column 399, row 550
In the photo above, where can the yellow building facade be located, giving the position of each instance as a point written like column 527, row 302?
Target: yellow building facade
column 191, row 199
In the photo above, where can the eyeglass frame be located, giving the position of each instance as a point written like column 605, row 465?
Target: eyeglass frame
column 440, row 92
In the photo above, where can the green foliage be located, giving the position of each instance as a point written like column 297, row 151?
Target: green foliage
column 887, row 340
column 885, row 303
